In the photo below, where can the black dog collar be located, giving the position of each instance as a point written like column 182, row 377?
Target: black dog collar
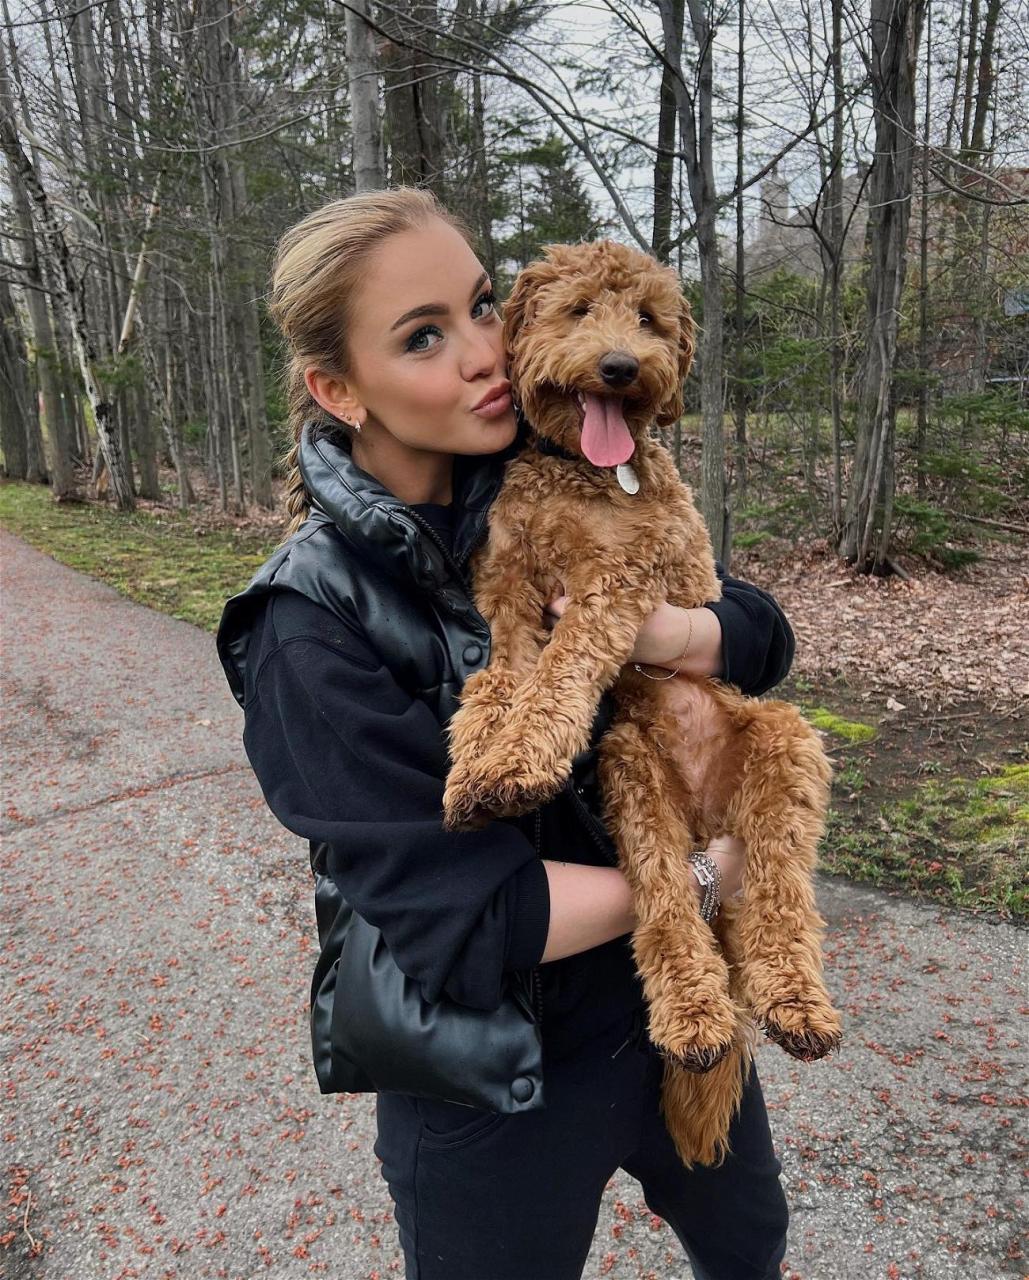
column 545, row 445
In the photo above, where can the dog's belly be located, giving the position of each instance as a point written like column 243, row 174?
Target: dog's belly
column 704, row 748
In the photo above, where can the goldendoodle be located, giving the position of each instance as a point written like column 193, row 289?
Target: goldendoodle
column 599, row 340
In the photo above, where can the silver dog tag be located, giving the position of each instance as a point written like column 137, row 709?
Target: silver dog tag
column 628, row 480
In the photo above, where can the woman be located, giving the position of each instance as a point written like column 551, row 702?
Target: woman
column 348, row 651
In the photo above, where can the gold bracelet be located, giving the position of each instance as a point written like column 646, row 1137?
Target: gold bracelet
column 689, row 639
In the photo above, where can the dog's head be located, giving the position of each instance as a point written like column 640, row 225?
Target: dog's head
column 599, row 341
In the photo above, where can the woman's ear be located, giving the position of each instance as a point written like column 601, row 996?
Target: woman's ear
column 672, row 409
column 335, row 396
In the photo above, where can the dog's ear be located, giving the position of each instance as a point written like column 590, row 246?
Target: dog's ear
column 521, row 304
column 672, row 409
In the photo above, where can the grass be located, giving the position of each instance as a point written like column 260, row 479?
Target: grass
column 963, row 841
column 163, row 560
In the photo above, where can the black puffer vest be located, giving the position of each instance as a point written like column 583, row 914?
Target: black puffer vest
column 374, row 562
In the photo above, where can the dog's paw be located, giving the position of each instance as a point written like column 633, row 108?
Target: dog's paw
column 806, row 1030
column 517, row 786
column 694, row 1034
column 501, row 785
column 697, row 1060
column 462, row 807
column 461, row 811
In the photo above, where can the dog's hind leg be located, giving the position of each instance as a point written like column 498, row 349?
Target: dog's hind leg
column 779, row 812
column 692, row 1018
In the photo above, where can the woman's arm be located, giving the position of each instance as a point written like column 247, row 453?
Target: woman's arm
column 592, row 905
column 744, row 638
column 345, row 756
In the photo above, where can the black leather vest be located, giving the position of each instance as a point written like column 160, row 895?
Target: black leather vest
column 374, row 562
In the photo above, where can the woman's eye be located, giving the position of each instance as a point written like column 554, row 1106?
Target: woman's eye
column 487, row 302
column 419, row 340
column 646, row 317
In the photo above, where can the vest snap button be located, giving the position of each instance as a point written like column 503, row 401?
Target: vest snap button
column 522, row 1089
column 472, row 653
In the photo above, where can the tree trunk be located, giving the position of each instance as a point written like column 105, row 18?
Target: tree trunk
column 412, row 100
column 363, row 82
column 740, row 289
column 895, row 31
column 664, row 161
column 481, row 182
column 696, row 133
column 922, row 427
column 19, row 407
column 61, row 465
column 836, row 237
column 67, row 297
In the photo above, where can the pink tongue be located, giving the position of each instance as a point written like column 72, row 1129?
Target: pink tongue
column 605, row 438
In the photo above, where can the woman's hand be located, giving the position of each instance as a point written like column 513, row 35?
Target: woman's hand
column 555, row 608
column 663, row 638
column 730, row 857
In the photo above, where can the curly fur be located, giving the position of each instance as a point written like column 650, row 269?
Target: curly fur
column 752, row 769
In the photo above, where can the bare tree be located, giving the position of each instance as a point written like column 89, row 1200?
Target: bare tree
column 363, row 80
column 696, row 134
column 895, row 29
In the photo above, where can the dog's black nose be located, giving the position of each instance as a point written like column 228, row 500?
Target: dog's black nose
column 618, row 368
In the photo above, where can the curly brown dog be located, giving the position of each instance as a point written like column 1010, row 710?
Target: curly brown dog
column 599, row 341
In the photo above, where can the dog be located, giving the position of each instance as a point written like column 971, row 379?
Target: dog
column 599, row 340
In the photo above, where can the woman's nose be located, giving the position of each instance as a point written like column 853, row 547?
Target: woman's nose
column 483, row 354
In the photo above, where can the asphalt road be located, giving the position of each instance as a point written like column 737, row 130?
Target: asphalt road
column 160, row 1116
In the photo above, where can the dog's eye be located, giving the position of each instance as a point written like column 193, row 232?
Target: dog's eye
column 581, row 310
column 646, row 317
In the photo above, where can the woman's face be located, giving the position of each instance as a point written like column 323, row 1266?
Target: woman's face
column 426, row 351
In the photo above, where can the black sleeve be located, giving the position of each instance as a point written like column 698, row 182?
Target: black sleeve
column 757, row 641
column 344, row 755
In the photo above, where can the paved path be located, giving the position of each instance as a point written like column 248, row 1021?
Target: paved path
column 160, row 1116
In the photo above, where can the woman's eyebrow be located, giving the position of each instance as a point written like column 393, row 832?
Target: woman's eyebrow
column 435, row 308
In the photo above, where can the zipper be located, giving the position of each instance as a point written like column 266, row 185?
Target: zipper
column 433, row 536
column 537, row 981
column 458, row 566
column 592, row 824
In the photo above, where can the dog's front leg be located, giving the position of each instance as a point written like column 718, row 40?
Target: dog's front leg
column 512, row 604
column 529, row 756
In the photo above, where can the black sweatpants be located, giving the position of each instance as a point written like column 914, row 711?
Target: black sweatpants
column 482, row 1196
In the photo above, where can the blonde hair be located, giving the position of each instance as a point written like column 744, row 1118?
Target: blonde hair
column 319, row 265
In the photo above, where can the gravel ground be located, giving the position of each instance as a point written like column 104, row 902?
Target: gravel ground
column 160, row 1113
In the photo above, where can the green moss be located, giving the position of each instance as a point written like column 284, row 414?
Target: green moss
column 964, row 841
column 161, row 560
column 829, row 722
column 747, row 540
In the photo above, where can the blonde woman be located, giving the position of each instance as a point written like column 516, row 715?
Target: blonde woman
column 348, row 651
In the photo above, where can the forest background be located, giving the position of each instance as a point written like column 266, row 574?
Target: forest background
column 843, row 186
